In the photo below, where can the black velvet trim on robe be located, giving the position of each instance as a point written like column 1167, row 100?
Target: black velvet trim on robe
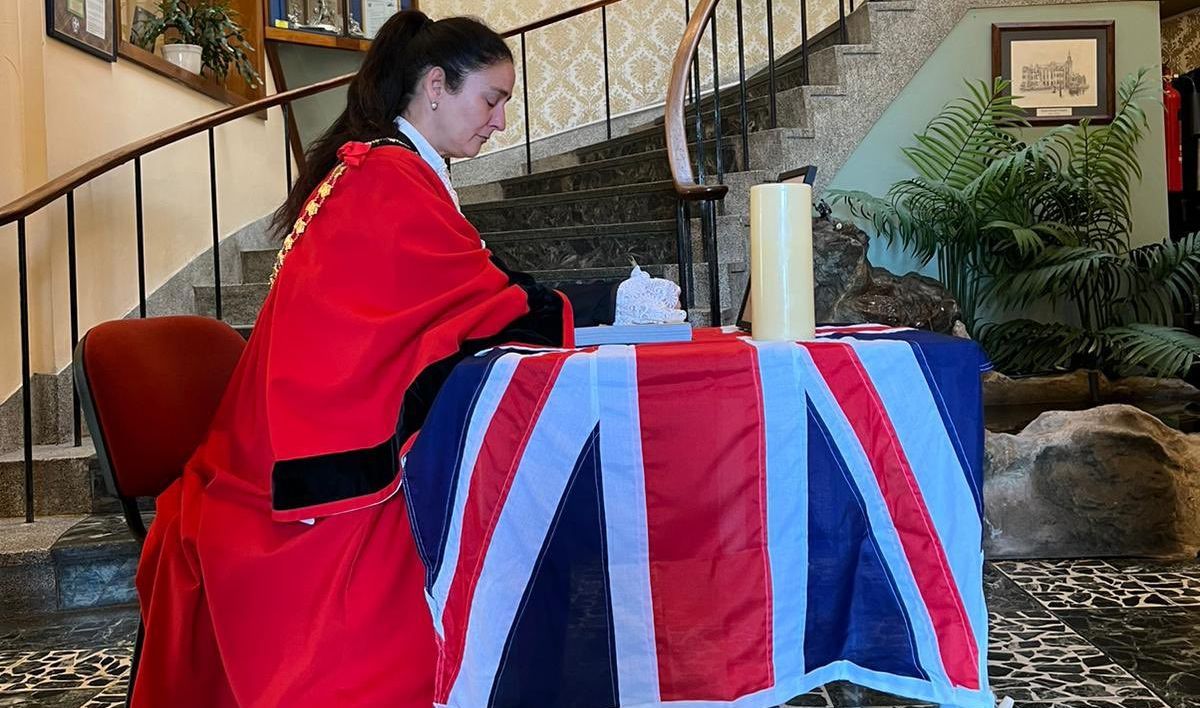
column 312, row 481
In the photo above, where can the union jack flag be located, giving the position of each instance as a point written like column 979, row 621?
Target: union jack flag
column 714, row 523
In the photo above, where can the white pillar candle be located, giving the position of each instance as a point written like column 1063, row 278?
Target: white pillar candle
column 781, row 262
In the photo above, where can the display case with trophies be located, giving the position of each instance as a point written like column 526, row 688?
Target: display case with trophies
column 359, row 19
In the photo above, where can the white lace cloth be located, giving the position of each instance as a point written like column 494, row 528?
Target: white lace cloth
column 645, row 300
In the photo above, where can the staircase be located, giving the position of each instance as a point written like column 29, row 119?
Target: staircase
column 584, row 215
column 613, row 203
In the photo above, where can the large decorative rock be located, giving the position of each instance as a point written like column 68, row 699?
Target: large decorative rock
column 849, row 289
column 1073, row 387
column 910, row 300
column 839, row 265
column 1107, row 481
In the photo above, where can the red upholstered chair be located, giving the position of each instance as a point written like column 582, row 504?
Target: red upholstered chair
column 149, row 389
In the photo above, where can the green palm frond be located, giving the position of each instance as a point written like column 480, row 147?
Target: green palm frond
column 1158, row 350
column 962, row 140
column 1057, row 271
column 1101, row 161
column 1166, row 277
column 1028, row 347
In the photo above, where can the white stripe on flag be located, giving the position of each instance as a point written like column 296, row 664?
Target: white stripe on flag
column 510, row 559
column 787, row 499
column 475, row 430
column 846, row 442
column 625, row 520
column 897, row 375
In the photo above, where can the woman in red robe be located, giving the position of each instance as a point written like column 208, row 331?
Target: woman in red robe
column 281, row 570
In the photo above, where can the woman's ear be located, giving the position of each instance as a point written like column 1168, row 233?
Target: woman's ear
column 435, row 83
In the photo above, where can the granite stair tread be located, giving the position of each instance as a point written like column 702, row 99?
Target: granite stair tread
column 59, row 451
column 95, row 562
column 664, row 225
column 66, row 480
column 70, row 561
column 650, row 166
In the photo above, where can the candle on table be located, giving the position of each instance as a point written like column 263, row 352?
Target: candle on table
column 781, row 262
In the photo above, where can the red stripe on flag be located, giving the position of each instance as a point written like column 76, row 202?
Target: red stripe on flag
column 709, row 570
column 846, row 378
column 503, row 446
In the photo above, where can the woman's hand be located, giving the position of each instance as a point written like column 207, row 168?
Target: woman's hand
column 645, row 300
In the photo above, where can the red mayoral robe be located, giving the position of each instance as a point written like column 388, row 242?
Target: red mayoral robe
column 280, row 569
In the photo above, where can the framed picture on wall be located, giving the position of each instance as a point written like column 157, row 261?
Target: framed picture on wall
column 90, row 25
column 367, row 16
column 1061, row 72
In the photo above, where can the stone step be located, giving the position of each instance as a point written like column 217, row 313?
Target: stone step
column 95, row 563
column 240, row 302
column 650, row 166
column 605, row 245
column 66, row 480
column 66, row 562
column 643, row 140
column 651, row 201
column 789, row 73
column 28, row 582
column 258, row 264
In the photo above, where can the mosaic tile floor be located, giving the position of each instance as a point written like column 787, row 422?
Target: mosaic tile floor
column 1063, row 634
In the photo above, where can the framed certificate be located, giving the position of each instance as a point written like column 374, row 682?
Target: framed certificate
column 367, row 16
column 90, row 25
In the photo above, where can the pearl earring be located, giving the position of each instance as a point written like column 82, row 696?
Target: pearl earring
column 433, row 105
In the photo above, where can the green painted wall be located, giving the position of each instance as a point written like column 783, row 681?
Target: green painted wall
column 966, row 54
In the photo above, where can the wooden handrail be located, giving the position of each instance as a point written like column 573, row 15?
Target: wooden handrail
column 564, row 15
column 677, row 145
column 59, row 186
column 91, row 169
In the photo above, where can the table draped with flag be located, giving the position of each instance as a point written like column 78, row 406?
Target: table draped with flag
column 721, row 522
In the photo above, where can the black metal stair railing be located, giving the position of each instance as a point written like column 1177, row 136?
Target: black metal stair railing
column 684, row 87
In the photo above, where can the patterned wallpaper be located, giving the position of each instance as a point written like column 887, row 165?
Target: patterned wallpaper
column 566, row 65
column 1181, row 43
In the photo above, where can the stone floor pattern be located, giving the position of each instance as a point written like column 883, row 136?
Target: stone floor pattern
column 1063, row 634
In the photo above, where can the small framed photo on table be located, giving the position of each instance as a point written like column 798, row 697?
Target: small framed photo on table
column 1061, row 72
column 90, row 25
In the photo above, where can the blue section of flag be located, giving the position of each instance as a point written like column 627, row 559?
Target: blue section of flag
column 954, row 384
column 564, row 628
column 429, row 490
column 854, row 608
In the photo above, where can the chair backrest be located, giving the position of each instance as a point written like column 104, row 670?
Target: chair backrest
column 149, row 389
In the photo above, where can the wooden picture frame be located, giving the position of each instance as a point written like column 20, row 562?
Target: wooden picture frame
column 1062, row 72
column 90, row 25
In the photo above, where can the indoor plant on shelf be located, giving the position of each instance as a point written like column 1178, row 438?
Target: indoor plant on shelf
column 203, row 33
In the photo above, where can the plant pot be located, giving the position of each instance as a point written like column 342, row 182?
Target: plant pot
column 184, row 56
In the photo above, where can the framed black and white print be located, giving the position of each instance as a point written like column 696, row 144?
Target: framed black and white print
column 1060, row 72
column 90, row 25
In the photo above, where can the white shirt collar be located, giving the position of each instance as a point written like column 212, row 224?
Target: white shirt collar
column 427, row 152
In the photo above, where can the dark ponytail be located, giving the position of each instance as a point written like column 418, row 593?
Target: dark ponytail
column 407, row 46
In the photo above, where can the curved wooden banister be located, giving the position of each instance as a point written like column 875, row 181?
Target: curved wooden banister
column 91, row 169
column 677, row 145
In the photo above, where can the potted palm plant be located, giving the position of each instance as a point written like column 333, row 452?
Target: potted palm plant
column 201, row 34
column 1014, row 223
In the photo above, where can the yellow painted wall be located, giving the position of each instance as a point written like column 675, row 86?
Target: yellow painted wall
column 72, row 107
